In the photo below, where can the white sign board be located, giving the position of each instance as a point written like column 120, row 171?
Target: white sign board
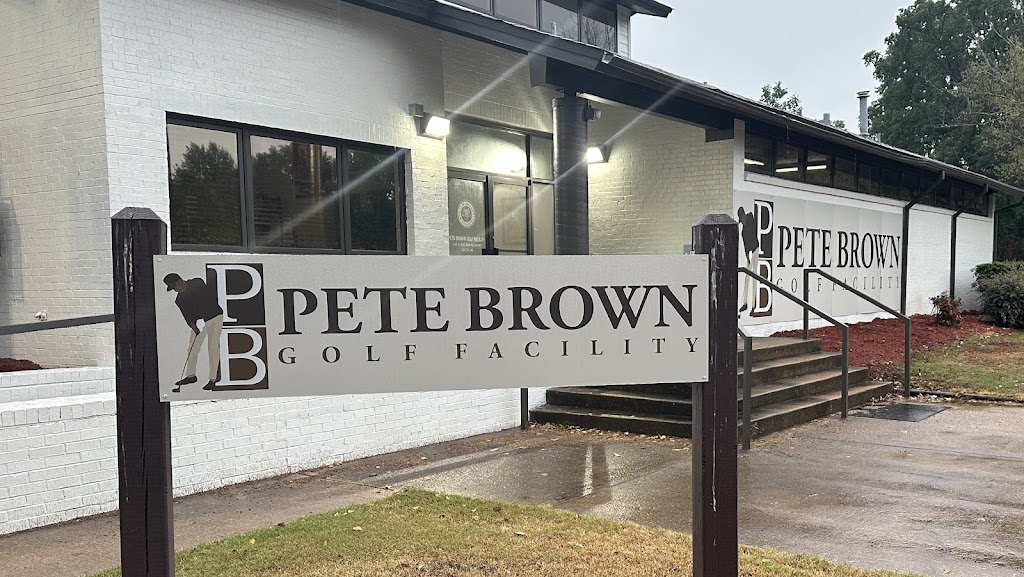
column 780, row 236
column 231, row 326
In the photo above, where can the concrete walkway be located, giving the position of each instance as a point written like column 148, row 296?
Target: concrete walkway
column 944, row 496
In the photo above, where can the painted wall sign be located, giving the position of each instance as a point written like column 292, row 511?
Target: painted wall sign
column 232, row 326
column 780, row 236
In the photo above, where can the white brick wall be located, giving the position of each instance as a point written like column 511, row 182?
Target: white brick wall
column 928, row 257
column 54, row 226
column 660, row 179
column 973, row 247
column 58, row 458
column 491, row 83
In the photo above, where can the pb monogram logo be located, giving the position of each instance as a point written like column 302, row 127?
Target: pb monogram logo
column 240, row 294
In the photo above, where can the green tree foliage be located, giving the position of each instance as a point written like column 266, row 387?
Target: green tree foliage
column 204, row 197
column 994, row 90
column 777, row 96
column 921, row 104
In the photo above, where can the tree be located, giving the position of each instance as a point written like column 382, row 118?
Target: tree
column 994, row 91
column 204, row 197
column 921, row 105
column 776, row 97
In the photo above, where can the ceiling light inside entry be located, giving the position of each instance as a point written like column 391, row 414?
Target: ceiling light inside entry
column 428, row 124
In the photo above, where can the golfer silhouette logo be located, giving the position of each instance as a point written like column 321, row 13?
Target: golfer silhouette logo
column 752, row 250
column 197, row 302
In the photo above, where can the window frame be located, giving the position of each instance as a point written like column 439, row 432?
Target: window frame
column 247, row 193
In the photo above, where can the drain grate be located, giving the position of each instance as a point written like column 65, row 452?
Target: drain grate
column 909, row 412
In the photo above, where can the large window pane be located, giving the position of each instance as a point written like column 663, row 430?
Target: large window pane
column 868, row 178
column 787, row 161
column 908, row 185
column 890, row 183
column 846, row 175
column 524, row 11
column 295, row 189
column 205, row 193
column 509, row 202
column 560, row 17
column 819, row 168
column 542, row 218
column 374, row 193
column 542, row 157
column 486, row 149
column 758, row 154
column 597, row 26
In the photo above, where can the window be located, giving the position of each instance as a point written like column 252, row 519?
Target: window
column 542, row 157
column 846, row 174
column 787, row 161
column 295, row 194
column 868, row 178
column 522, row 11
column 890, row 183
column 597, row 26
column 819, row 168
column 205, row 186
column 373, row 193
column 908, row 185
column 486, row 149
column 299, row 192
column 561, row 18
column 758, row 154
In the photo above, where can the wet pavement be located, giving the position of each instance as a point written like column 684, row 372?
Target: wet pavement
column 941, row 496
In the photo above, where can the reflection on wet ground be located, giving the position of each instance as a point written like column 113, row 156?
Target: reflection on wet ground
column 941, row 496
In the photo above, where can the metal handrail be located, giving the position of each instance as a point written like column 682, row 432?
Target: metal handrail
column 57, row 324
column 809, row 307
column 748, row 350
column 906, row 320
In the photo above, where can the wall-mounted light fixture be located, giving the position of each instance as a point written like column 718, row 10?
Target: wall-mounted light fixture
column 597, row 154
column 428, row 124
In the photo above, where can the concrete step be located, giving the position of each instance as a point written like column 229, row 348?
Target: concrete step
column 612, row 420
column 761, row 372
column 771, row 348
column 633, row 400
column 779, row 416
column 764, row 420
column 803, row 385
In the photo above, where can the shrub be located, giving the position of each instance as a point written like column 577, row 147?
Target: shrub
column 947, row 309
column 1002, row 298
column 985, row 271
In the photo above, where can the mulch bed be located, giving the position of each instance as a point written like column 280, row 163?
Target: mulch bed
column 878, row 344
column 11, row 365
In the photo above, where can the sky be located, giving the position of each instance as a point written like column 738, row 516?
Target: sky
column 814, row 47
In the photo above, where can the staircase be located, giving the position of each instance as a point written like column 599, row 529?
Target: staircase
column 792, row 382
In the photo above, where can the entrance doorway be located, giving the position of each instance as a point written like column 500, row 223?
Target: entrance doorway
column 487, row 212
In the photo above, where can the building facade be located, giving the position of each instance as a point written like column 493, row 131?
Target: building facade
column 304, row 127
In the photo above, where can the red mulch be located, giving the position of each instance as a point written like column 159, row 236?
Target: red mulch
column 10, row 365
column 880, row 342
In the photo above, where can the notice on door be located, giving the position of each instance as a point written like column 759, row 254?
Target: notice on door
column 231, row 326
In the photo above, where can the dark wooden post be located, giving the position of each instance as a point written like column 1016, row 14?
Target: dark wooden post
column 143, row 422
column 715, row 510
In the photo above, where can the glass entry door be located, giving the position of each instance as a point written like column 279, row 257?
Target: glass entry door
column 488, row 212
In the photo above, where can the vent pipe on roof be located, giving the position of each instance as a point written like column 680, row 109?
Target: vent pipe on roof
column 863, row 98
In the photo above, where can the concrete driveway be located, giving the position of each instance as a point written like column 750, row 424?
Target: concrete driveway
column 943, row 496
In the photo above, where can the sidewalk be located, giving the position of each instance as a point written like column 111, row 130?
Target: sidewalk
column 940, row 497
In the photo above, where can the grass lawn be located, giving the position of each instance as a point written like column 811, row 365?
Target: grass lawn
column 990, row 364
column 420, row 533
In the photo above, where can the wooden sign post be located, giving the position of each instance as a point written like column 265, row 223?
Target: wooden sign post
column 143, row 422
column 715, row 415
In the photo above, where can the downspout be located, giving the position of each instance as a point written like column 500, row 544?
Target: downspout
column 952, row 255
column 906, row 240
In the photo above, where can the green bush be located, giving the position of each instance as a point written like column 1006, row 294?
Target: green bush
column 1002, row 298
column 988, row 270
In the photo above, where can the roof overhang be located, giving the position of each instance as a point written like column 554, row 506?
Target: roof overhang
column 648, row 7
column 562, row 63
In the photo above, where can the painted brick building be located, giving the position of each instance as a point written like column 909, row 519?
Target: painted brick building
column 106, row 104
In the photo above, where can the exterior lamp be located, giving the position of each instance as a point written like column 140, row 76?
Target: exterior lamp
column 429, row 125
column 597, row 154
